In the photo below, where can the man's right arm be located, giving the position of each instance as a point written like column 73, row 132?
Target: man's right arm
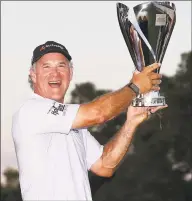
column 110, row 105
column 104, row 108
column 45, row 116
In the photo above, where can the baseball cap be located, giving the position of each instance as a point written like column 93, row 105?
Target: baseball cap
column 49, row 46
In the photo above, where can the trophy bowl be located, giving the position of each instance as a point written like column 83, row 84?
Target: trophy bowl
column 147, row 29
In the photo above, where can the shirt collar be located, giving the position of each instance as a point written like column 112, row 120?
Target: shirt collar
column 37, row 96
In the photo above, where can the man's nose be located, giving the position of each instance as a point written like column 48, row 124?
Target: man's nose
column 55, row 69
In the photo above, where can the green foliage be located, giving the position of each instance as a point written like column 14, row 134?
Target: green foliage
column 10, row 191
column 161, row 157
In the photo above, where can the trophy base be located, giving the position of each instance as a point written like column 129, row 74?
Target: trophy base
column 151, row 99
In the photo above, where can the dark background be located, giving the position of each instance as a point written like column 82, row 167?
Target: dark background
column 158, row 166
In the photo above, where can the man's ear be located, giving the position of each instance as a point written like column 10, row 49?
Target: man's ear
column 33, row 75
column 71, row 73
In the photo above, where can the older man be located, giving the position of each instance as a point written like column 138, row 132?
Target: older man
column 54, row 149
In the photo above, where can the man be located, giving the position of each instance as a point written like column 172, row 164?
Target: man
column 54, row 149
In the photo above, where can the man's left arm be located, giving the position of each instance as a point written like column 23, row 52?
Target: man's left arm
column 114, row 151
column 117, row 147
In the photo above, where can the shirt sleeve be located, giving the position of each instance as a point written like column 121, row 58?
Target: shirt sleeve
column 48, row 116
column 93, row 148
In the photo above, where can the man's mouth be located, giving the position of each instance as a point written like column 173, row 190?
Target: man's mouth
column 54, row 84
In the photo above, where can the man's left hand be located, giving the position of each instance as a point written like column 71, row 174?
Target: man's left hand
column 137, row 115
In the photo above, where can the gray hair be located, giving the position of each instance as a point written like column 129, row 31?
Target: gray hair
column 33, row 69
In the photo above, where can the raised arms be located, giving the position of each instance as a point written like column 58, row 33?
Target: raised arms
column 108, row 106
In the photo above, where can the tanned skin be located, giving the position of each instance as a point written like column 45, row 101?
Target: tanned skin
column 110, row 105
column 54, row 67
column 51, row 78
column 117, row 147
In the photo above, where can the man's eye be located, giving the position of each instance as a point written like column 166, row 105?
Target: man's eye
column 63, row 65
column 46, row 66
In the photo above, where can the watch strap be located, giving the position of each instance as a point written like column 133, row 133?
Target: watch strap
column 134, row 88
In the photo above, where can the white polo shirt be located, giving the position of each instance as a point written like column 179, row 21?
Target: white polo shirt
column 53, row 159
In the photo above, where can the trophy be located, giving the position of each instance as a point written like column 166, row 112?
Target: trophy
column 147, row 29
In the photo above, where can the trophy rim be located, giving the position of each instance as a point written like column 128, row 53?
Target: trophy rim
column 163, row 3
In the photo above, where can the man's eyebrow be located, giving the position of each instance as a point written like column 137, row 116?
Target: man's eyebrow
column 62, row 62
column 48, row 63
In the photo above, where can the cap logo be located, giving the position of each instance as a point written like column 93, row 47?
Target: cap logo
column 42, row 48
column 54, row 45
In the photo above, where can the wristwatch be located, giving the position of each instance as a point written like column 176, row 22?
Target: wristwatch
column 134, row 88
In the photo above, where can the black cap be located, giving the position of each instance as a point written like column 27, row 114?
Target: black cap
column 49, row 46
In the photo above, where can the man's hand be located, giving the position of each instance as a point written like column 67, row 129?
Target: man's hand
column 110, row 105
column 147, row 80
column 117, row 147
column 136, row 115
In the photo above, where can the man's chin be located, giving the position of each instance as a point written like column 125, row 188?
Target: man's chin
column 57, row 98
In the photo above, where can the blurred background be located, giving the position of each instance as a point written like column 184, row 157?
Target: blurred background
column 158, row 166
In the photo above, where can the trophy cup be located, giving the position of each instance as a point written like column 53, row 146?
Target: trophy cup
column 147, row 29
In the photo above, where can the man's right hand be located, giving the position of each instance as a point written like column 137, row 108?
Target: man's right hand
column 109, row 105
column 147, row 80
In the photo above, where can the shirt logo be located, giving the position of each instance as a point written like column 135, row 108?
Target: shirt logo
column 58, row 109
column 75, row 130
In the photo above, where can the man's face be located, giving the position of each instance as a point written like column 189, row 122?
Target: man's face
column 51, row 76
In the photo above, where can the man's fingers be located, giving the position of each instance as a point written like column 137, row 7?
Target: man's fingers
column 155, row 76
column 156, row 82
column 152, row 67
column 155, row 88
column 155, row 109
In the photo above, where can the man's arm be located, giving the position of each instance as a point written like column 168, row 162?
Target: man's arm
column 112, row 104
column 117, row 147
column 114, row 151
column 103, row 108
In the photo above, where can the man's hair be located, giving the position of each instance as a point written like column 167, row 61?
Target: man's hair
column 33, row 68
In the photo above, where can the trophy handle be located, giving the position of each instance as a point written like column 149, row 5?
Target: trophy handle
column 127, row 26
column 122, row 14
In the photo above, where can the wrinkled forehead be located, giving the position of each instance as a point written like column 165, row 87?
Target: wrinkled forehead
column 53, row 58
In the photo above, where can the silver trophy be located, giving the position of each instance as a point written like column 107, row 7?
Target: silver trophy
column 147, row 29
